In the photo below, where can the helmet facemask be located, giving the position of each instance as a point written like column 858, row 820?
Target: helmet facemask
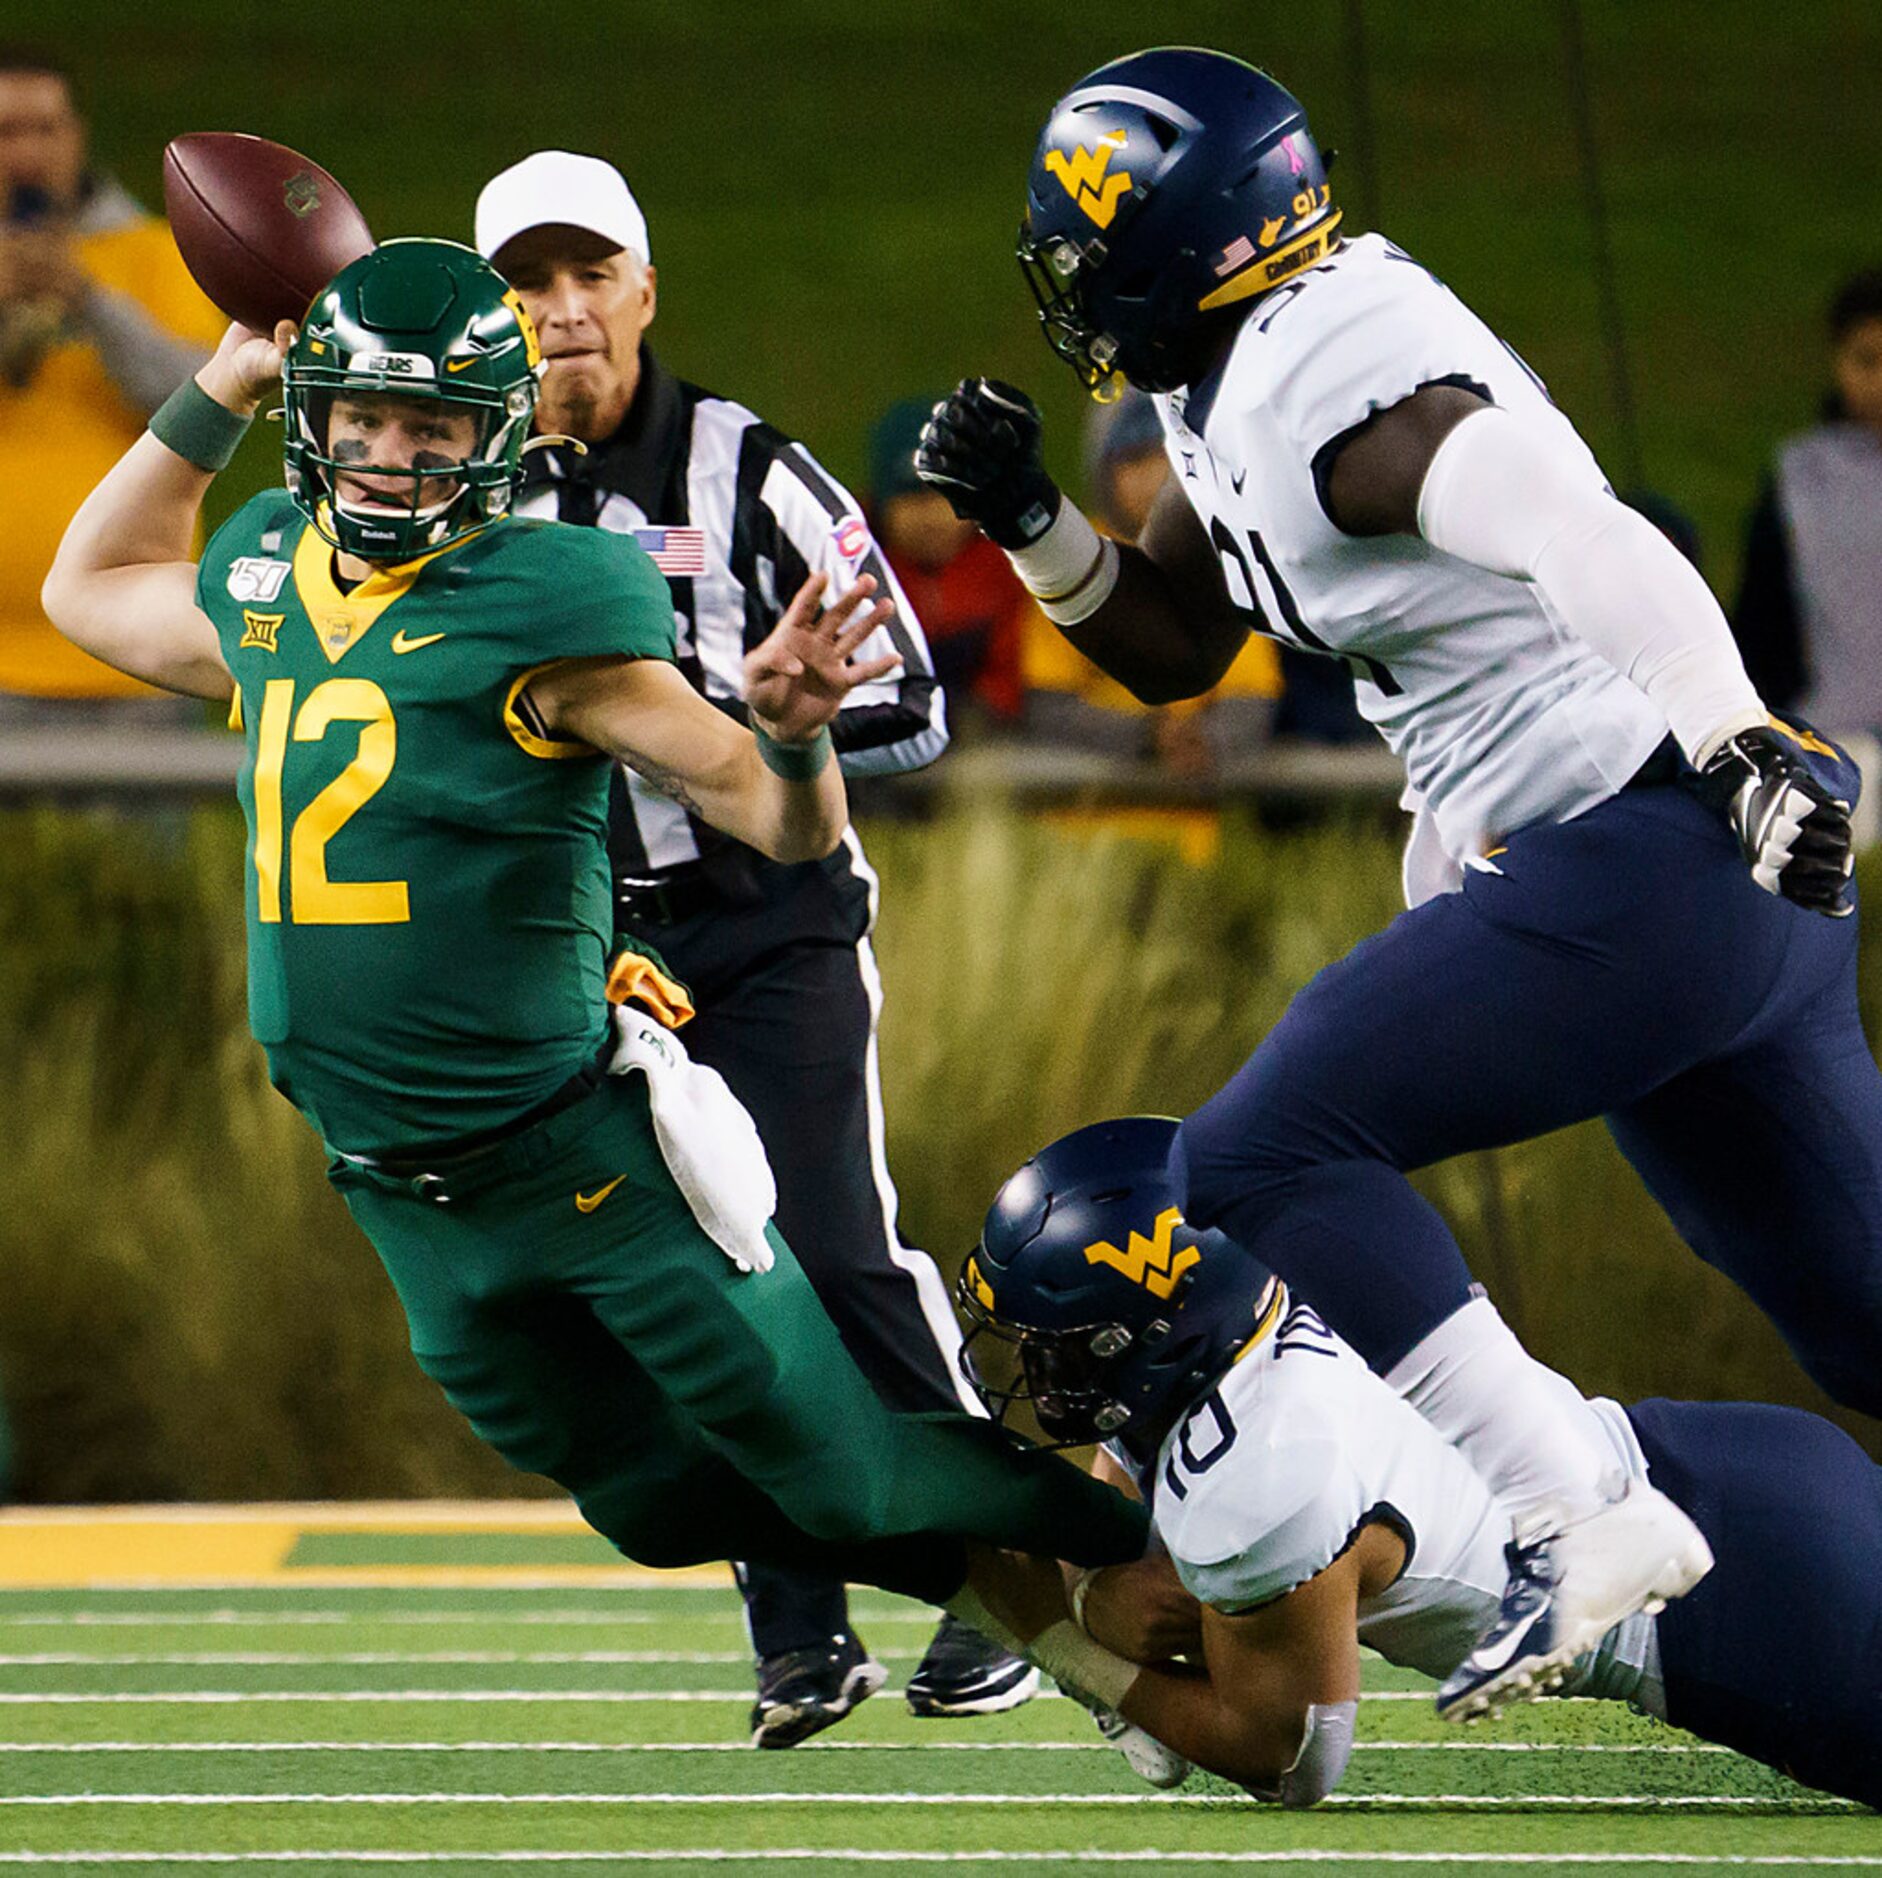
column 1061, row 1375
column 1053, row 268
column 459, row 471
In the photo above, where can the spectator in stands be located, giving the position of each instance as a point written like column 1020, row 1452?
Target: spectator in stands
column 1809, row 612
column 1069, row 701
column 961, row 587
column 99, row 323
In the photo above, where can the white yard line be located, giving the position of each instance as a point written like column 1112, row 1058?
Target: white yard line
column 16, row 1698
column 292, row 1659
column 716, row 1855
column 938, row 1745
column 181, row 1620
column 1585, row 1802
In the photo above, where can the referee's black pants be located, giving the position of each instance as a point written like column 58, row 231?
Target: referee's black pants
column 780, row 968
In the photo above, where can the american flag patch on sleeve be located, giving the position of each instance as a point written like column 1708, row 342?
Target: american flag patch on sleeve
column 674, row 550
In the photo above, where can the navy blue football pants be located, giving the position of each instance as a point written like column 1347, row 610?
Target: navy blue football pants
column 1622, row 964
column 1778, row 1650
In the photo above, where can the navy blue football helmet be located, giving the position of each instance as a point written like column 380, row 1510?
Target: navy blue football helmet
column 1169, row 188
column 1109, row 1313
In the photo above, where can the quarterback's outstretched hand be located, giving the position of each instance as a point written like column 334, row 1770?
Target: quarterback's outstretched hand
column 1794, row 833
column 983, row 449
column 797, row 678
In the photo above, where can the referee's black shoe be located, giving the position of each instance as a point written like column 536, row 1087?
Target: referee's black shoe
column 802, row 1692
column 964, row 1674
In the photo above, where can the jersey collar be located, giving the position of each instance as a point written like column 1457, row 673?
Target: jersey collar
column 341, row 620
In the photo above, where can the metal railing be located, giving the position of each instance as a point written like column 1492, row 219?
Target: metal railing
column 162, row 764
column 149, row 765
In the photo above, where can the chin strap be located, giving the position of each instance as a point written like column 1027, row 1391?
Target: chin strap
column 549, row 442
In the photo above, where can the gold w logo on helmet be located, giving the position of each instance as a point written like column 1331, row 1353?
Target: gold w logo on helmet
column 1153, row 1262
column 1083, row 176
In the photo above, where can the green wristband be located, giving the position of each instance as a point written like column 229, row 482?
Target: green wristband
column 795, row 762
column 197, row 428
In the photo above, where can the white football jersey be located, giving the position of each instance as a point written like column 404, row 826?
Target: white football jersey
column 1272, row 1474
column 1501, row 717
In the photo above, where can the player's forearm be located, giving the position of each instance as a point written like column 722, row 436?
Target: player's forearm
column 1253, row 1746
column 796, row 815
column 1144, row 637
column 1158, row 621
column 798, row 820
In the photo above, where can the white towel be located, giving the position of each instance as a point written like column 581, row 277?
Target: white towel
column 708, row 1140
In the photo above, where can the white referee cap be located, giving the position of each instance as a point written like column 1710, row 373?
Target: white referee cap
column 559, row 187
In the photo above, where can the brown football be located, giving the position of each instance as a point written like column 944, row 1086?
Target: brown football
column 260, row 227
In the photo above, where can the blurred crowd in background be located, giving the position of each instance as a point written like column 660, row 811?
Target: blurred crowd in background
column 99, row 321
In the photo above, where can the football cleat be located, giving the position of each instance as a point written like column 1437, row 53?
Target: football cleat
column 1568, row 1590
column 803, row 1692
column 963, row 1674
column 1161, row 1767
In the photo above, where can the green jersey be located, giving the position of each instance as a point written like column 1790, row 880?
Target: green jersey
column 429, row 905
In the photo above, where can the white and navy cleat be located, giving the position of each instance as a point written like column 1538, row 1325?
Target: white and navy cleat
column 1161, row 1767
column 1567, row 1590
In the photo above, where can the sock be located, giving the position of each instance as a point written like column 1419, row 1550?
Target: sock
column 1072, row 1659
column 1529, row 1432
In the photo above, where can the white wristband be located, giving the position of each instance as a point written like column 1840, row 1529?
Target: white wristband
column 1081, row 1589
column 1709, row 747
column 1071, row 569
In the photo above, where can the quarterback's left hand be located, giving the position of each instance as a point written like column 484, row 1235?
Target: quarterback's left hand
column 1794, row 833
column 797, row 679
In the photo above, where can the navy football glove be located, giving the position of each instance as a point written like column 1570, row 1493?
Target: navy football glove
column 983, row 449
column 1794, row 833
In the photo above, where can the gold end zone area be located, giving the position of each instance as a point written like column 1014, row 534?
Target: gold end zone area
column 400, row 1542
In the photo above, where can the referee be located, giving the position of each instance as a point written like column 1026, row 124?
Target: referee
column 736, row 514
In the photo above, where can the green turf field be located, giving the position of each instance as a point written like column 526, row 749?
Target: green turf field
column 352, row 1726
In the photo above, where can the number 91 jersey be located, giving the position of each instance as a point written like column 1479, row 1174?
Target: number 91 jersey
column 1501, row 718
column 429, row 903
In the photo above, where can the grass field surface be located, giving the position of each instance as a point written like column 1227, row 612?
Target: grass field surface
column 458, row 1688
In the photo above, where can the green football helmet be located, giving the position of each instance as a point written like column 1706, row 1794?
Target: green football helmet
column 420, row 321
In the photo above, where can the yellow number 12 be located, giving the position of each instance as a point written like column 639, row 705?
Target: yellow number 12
column 316, row 900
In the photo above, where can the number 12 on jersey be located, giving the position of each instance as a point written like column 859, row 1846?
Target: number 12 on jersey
column 312, row 898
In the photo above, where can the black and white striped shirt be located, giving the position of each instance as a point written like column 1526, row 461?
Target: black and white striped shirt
column 685, row 459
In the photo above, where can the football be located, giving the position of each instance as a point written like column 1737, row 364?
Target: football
column 260, row 227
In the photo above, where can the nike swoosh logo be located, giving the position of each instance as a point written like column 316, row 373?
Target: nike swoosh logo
column 462, row 365
column 587, row 1202
column 1498, row 1655
column 402, row 644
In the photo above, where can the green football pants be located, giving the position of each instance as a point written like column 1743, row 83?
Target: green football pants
column 571, row 1308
